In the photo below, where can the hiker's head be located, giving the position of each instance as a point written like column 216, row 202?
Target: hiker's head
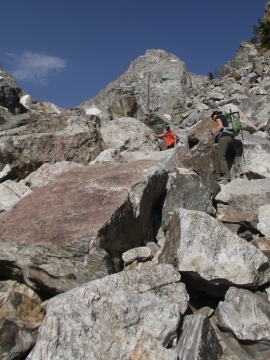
column 215, row 113
column 168, row 128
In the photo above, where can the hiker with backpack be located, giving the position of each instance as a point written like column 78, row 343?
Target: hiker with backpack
column 170, row 137
column 225, row 139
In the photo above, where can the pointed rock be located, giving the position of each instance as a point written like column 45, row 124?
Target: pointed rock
column 198, row 339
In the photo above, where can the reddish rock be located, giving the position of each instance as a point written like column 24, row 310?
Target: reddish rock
column 247, row 219
column 58, row 232
column 263, row 244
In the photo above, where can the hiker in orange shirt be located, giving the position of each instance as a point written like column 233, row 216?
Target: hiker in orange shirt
column 170, row 137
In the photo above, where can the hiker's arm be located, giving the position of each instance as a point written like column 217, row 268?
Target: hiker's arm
column 158, row 136
column 218, row 128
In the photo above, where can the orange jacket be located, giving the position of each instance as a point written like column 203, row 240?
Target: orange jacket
column 170, row 137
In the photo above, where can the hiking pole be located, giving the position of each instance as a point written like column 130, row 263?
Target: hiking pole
column 242, row 140
column 238, row 115
column 240, row 127
column 243, row 153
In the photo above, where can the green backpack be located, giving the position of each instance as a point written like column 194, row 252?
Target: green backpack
column 234, row 123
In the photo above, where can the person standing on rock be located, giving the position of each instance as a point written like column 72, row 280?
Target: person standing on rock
column 225, row 143
column 170, row 137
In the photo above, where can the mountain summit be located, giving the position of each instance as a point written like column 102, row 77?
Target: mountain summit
column 157, row 80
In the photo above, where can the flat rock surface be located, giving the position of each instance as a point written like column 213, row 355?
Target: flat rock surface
column 120, row 316
column 77, row 201
column 60, row 230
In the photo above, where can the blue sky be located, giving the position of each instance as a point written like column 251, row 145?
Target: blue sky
column 66, row 51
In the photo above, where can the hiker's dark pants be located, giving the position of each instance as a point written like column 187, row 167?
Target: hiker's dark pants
column 224, row 145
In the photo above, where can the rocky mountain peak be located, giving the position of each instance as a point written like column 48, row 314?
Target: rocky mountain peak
column 156, row 81
column 10, row 92
column 153, row 59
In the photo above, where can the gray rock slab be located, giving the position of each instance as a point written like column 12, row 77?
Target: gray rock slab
column 63, row 138
column 243, row 195
column 4, row 171
column 115, row 317
column 257, row 109
column 264, row 221
column 15, row 121
column 246, row 315
column 267, row 290
column 255, row 162
column 210, row 256
column 128, row 134
column 197, row 132
column 191, row 192
column 109, row 155
column 156, row 122
column 10, row 193
column 202, row 159
column 53, row 268
column 198, row 339
column 167, row 158
column 232, row 349
column 154, row 248
column 142, row 253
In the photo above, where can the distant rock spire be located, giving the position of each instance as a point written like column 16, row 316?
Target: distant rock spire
column 267, row 12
